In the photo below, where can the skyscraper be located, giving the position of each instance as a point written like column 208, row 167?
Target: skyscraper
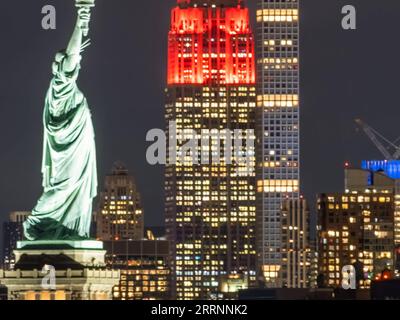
column 13, row 232
column 144, row 267
column 356, row 227
column 297, row 251
column 120, row 215
column 391, row 169
column 278, row 154
column 210, row 206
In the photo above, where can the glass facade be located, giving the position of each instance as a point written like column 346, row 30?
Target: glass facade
column 210, row 204
column 356, row 228
column 297, row 250
column 120, row 215
column 144, row 267
column 278, row 124
column 13, row 232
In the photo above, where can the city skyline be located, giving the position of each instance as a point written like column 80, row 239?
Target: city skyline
column 21, row 194
column 231, row 126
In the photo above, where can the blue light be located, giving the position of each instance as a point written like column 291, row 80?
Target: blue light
column 391, row 168
column 370, row 179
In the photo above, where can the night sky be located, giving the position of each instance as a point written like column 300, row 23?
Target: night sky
column 345, row 74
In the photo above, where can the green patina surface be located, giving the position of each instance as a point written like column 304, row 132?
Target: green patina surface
column 64, row 210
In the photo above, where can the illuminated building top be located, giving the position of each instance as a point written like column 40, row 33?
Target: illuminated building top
column 210, row 42
column 202, row 3
column 391, row 168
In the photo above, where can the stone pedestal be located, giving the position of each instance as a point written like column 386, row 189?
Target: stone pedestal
column 78, row 268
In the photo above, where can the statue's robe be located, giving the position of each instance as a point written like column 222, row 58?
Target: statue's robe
column 69, row 164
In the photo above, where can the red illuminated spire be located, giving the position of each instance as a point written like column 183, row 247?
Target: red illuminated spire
column 210, row 44
column 218, row 3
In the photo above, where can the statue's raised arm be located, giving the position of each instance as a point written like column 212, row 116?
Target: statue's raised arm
column 75, row 46
column 69, row 157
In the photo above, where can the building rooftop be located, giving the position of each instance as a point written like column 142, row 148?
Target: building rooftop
column 391, row 168
column 138, row 247
column 119, row 169
column 201, row 3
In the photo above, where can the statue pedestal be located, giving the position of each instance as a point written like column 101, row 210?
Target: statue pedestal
column 78, row 268
column 87, row 253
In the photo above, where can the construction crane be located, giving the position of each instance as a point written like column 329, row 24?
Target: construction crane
column 376, row 138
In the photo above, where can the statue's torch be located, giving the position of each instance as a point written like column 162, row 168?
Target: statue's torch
column 85, row 4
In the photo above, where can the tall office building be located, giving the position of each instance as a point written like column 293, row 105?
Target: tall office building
column 357, row 227
column 297, row 250
column 144, row 267
column 120, row 214
column 13, row 232
column 391, row 169
column 278, row 154
column 210, row 205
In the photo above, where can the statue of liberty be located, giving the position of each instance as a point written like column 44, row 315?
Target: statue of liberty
column 69, row 157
